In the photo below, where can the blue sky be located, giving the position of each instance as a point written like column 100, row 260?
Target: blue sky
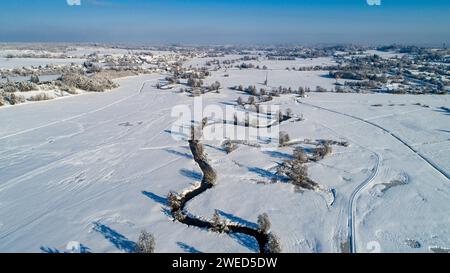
column 227, row 21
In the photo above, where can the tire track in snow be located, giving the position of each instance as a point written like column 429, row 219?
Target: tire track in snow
column 392, row 134
column 360, row 188
column 352, row 204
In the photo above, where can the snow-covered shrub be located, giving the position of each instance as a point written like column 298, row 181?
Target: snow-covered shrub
column 146, row 243
column 214, row 86
column 322, row 151
column 251, row 89
column 218, row 224
column 301, row 92
column 229, row 146
column 9, row 87
column 25, row 86
column 179, row 215
column 284, row 138
column 300, row 155
column 40, row 97
column 13, row 99
column 251, row 100
column 193, row 82
column 297, row 172
column 204, row 122
column 91, row 67
column 320, row 89
column 173, row 201
column 264, row 223
column 34, row 79
column 273, row 245
column 289, row 113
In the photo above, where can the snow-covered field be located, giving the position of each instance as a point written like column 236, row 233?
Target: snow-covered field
column 96, row 169
column 11, row 63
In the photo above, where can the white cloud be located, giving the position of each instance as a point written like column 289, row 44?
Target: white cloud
column 74, row 2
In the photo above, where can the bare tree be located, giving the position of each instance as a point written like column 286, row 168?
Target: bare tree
column 214, row 86
column 284, row 138
column 273, row 244
column 264, row 223
column 300, row 155
column 289, row 113
column 251, row 100
column 229, row 146
column 146, row 243
column 301, row 92
column 34, row 79
column 204, row 122
column 280, row 116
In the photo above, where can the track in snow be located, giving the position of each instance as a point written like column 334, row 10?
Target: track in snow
column 355, row 193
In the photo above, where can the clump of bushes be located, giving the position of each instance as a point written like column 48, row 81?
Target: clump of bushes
column 322, row 151
column 12, row 98
column 296, row 171
column 214, row 86
column 92, row 84
column 9, row 87
column 26, row 86
column 40, row 97
column 300, row 155
column 194, row 82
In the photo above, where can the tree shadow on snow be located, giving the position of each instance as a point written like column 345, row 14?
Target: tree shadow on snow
column 155, row 197
column 117, row 239
column 237, row 219
column 161, row 200
column 45, row 249
column 196, row 176
column 179, row 134
column 187, row 248
column 277, row 154
column 444, row 131
column 246, row 240
column 443, row 110
column 186, row 155
column 49, row 250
